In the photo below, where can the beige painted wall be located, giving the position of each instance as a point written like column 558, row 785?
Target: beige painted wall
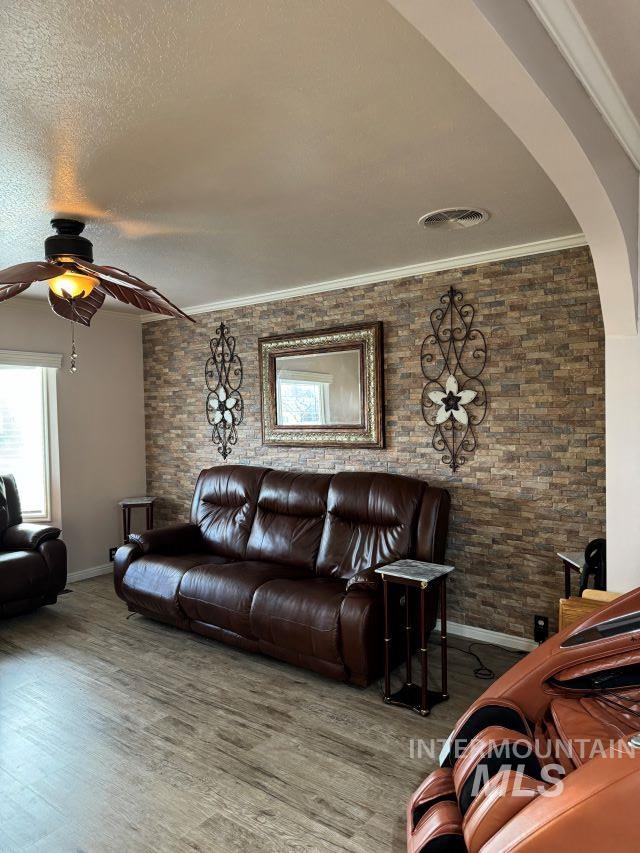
column 100, row 418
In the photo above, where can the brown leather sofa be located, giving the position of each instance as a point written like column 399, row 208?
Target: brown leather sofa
column 283, row 562
column 33, row 560
column 548, row 758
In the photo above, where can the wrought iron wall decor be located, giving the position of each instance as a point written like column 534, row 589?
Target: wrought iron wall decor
column 454, row 398
column 223, row 375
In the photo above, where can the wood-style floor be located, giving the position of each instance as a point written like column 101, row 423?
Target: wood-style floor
column 125, row 735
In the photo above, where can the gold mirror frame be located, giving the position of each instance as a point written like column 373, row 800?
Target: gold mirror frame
column 368, row 339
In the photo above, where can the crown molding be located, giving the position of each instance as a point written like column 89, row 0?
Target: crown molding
column 574, row 41
column 540, row 247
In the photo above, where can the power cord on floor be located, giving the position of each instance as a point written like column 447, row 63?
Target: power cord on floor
column 482, row 671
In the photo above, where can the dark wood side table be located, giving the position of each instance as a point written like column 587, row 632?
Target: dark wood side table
column 127, row 505
column 573, row 562
column 429, row 579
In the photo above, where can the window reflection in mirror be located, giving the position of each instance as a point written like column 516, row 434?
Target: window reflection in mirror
column 322, row 389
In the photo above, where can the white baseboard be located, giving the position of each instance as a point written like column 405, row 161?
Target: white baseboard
column 483, row 635
column 91, row 572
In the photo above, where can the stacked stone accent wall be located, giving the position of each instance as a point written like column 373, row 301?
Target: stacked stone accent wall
column 537, row 481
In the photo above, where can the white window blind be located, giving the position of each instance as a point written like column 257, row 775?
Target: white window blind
column 24, row 439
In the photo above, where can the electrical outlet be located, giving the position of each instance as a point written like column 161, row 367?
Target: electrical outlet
column 540, row 628
column 112, row 554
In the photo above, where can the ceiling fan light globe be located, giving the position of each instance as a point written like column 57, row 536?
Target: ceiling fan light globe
column 72, row 285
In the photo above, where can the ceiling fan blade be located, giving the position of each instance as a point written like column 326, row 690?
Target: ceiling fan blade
column 114, row 274
column 30, row 272
column 9, row 290
column 170, row 309
column 78, row 310
column 137, row 282
column 130, row 289
column 147, row 301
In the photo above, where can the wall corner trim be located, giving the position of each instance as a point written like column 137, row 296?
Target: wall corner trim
column 555, row 244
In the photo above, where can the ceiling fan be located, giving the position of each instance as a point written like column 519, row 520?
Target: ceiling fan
column 77, row 286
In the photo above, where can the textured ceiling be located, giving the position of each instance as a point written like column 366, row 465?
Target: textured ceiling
column 228, row 147
column 615, row 28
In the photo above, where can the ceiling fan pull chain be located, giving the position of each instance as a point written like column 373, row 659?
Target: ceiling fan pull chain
column 74, row 355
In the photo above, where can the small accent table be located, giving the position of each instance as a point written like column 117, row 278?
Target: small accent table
column 573, row 562
column 427, row 578
column 127, row 505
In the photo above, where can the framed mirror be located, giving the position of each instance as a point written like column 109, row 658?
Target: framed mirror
column 323, row 388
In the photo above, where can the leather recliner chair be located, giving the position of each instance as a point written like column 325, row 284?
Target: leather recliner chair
column 284, row 563
column 33, row 560
column 548, row 758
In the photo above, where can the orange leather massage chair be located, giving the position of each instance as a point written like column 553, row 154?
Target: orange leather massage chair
column 548, row 759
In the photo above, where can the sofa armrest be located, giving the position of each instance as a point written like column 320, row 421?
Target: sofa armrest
column 367, row 580
column 433, row 524
column 28, row 537
column 125, row 555
column 361, row 624
column 54, row 553
column 177, row 539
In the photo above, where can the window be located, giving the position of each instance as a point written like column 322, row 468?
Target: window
column 24, row 434
column 302, row 401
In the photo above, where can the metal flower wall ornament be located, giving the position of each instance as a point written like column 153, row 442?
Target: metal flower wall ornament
column 223, row 375
column 454, row 399
column 221, row 405
column 451, row 402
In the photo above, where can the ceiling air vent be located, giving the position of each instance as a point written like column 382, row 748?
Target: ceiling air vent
column 454, row 218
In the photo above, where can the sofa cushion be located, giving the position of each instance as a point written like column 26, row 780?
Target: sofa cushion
column 370, row 520
column 23, row 575
column 221, row 595
column 300, row 615
column 151, row 583
column 289, row 518
column 224, row 505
